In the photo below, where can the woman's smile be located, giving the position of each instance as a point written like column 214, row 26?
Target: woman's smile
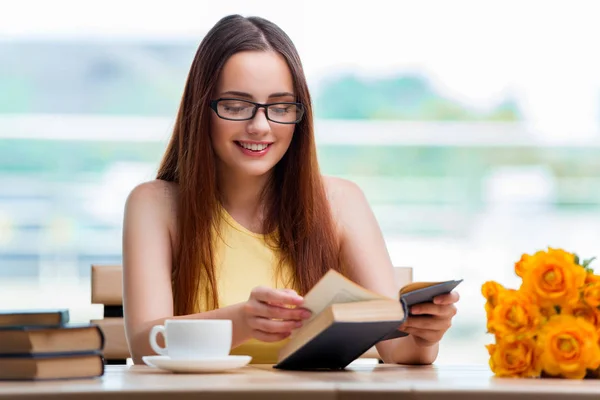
column 253, row 148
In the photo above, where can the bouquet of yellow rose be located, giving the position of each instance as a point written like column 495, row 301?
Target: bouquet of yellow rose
column 550, row 326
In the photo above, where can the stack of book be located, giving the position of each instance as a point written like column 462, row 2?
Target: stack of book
column 43, row 344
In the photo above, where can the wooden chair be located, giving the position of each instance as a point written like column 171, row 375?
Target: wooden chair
column 107, row 290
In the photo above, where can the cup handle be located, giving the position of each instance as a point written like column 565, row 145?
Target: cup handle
column 156, row 329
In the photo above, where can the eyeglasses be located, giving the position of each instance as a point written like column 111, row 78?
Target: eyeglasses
column 243, row 110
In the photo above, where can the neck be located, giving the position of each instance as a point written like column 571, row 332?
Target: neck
column 241, row 195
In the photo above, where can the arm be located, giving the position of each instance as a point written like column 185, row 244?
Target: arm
column 148, row 237
column 147, row 250
column 368, row 263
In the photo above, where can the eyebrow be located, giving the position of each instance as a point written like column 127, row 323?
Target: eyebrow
column 249, row 96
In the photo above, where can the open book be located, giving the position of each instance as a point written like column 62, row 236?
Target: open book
column 347, row 320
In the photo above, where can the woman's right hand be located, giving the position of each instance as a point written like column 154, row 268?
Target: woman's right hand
column 272, row 314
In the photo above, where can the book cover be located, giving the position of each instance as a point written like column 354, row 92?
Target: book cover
column 52, row 366
column 40, row 339
column 34, row 317
column 340, row 334
column 348, row 319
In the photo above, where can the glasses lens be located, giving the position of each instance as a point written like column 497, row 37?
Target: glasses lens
column 235, row 109
column 286, row 113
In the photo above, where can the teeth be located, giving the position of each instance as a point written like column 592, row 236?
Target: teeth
column 253, row 146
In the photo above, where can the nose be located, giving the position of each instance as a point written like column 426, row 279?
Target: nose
column 259, row 125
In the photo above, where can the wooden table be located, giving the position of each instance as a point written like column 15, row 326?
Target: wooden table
column 370, row 382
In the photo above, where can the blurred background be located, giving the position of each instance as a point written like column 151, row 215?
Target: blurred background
column 473, row 128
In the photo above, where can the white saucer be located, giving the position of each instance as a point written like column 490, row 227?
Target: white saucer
column 202, row 365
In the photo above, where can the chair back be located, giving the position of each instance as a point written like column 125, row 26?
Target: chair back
column 107, row 290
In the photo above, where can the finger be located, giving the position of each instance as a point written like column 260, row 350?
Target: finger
column 291, row 292
column 429, row 323
column 269, row 337
column 272, row 326
column 274, row 296
column 275, row 312
column 434, row 309
column 449, row 298
column 428, row 335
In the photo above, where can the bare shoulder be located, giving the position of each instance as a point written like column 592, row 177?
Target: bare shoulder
column 348, row 203
column 344, row 195
column 156, row 191
column 157, row 198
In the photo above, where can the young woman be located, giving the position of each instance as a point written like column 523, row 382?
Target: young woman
column 239, row 223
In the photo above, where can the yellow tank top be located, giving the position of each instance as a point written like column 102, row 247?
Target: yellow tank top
column 244, row 260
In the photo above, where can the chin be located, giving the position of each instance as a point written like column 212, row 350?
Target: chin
column 250, row 169
column 256, row 171
column 255, row 168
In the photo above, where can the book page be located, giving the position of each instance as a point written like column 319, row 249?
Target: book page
column 416, row 286
column 335, row 288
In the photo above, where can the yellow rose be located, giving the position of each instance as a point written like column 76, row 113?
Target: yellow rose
column 560, row 253
column 522, row 265
column 591, row 294
column 490, row 291
column 515, row 313
column 527, row 261
column 591, row 278
column 553, row 278
column 584, row 311
column 515, row 357
column 568, row 347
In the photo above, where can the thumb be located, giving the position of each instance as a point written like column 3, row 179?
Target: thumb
column 291, row 291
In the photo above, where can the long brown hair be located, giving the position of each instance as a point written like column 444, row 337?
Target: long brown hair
column 296, row 203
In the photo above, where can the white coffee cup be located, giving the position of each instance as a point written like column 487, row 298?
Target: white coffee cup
column 193, row 339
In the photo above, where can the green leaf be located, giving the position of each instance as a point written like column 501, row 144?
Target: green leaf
column 588, row 262
column 576, row 258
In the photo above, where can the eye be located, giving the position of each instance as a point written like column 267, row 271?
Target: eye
column 232, row 107
column 282, row 109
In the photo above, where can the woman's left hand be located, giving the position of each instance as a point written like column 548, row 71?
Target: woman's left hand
column 429, row 322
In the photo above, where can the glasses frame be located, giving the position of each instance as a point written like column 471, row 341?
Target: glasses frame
column 214, row 107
